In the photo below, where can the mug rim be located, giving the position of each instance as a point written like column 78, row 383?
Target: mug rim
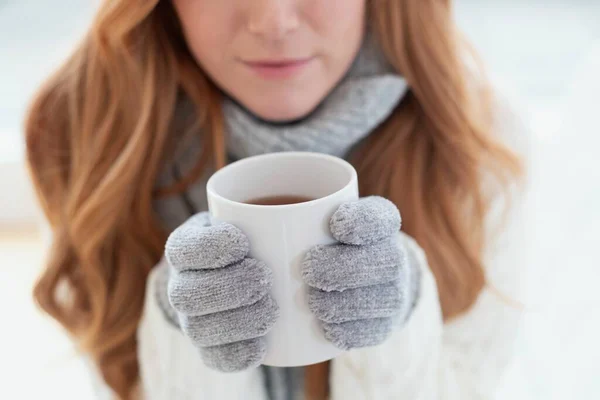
column 211, row 192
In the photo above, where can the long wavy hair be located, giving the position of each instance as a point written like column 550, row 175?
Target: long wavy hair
column 100, row 129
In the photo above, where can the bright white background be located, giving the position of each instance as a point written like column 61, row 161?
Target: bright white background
column 548, row 51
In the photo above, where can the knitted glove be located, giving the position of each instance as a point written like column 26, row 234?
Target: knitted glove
column 220, row 295
column 363, row 286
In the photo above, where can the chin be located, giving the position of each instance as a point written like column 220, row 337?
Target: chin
column 282, row 116
column 282, row 111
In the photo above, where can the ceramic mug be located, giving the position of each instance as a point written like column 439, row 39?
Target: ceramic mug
column 280, row 235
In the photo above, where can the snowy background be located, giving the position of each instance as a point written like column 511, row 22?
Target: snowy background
column 548, row 52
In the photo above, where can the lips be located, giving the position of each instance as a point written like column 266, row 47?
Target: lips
column 278, row 69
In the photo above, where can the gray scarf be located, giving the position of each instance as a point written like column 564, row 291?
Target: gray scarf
column 364, row 98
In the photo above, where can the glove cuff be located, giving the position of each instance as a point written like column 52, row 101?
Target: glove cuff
column 412, row 275
column 161, row 296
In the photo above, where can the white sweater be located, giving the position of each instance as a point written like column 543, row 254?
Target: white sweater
column 427, row 359
column 461, row 360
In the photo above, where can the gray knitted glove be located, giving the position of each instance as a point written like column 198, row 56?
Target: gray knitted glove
column 220, row 295
column 364, row 286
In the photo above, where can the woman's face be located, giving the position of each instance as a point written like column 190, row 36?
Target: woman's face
column 279, row 58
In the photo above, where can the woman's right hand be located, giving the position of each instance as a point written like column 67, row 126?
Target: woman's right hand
column 221, row 296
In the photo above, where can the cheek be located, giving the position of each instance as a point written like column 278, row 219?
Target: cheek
column 208, row 28
column 341, row 36
column 334, row 19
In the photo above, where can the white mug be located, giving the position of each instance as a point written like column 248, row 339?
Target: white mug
column 280, row 235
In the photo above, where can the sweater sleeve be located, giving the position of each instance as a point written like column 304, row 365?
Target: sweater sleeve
column 171, row 367
column 466, row 358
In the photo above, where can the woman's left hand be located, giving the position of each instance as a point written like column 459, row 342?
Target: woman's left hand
column 360, row 288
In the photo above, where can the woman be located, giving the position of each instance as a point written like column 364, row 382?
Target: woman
column 159, row 94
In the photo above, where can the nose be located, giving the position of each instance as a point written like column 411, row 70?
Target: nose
column 272, row 19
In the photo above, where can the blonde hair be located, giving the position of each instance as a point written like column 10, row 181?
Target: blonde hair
column 99, row 130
